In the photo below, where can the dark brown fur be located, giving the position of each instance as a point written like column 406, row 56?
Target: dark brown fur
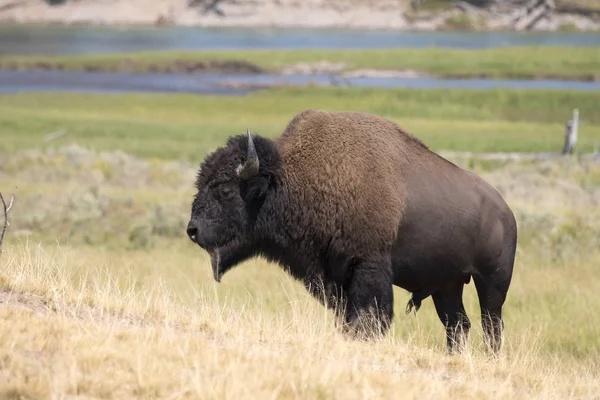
column 351, row 204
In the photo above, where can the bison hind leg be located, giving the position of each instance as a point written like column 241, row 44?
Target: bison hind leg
column 492, row 285
column 492, row 294
column 451, row 311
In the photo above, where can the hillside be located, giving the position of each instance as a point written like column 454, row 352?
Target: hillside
column 429, row 15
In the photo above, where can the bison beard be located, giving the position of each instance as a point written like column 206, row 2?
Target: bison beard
column 351, row 205
column 225, row 257
column 215, row 261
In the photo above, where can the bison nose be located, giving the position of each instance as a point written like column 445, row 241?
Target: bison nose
column 192, row 232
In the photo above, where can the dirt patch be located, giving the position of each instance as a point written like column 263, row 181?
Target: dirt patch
column 127, row 65
column 320, row 67
column 27, row 301
column 230, row 84
column 42, row 306
column 250, row 86
column 226, row 67
column 384, row 73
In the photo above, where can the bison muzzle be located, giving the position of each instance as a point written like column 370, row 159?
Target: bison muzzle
column 350, row 204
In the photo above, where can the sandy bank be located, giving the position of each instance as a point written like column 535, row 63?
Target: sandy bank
column 335, row 70
column 376, row 14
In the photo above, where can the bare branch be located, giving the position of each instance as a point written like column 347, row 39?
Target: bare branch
column 12, row 199
column 6, row 210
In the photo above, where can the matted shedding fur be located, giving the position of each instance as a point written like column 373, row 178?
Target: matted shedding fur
column 349, row 167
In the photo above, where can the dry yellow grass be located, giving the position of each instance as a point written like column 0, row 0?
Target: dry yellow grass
column 111, row 320
column 63, row 333
column 81, row 323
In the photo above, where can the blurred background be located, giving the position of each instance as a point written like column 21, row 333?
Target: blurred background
column 107, row 107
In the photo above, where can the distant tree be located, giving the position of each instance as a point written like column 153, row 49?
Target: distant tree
column 56, row 2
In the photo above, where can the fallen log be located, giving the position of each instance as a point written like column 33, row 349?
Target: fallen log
column 534, row 11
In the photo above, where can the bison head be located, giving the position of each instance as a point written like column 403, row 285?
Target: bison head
column 231, row 187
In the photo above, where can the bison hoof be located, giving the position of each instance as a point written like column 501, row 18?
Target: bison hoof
column 365, row 328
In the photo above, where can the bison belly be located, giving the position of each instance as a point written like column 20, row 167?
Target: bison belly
column 434, row 249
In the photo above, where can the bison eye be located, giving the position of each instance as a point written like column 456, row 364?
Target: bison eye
column 225, row 192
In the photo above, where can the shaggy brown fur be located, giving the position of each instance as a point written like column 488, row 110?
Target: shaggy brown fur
column 351, row 204
column 339, row 163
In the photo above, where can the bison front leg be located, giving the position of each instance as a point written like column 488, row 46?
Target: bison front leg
column 370, row 299
column 328, row 294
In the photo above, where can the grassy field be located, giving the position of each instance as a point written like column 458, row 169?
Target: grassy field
column 103, row 296
column 187, row 126
column 259, row 336
column 576, row 63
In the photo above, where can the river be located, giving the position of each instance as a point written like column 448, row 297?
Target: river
column 89, row 40
column 25, row 40
column 117, row 82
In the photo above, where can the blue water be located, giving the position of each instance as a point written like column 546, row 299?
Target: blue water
column 109, row 82
column 117, row 82
column 87, row 40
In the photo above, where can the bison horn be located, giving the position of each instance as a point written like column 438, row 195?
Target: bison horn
column 250, row 167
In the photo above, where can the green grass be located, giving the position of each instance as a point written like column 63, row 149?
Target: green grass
column 577, row 63
column 188, row 126
column 102, row 294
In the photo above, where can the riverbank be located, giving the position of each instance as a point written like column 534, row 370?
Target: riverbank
column 559, row 63
column 377, row 14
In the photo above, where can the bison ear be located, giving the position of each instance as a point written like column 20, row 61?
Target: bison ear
column 255, row 189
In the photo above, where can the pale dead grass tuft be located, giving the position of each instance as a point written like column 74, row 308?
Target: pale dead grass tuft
column 72, row 324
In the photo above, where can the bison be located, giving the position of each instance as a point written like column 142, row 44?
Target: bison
column 351, row 204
